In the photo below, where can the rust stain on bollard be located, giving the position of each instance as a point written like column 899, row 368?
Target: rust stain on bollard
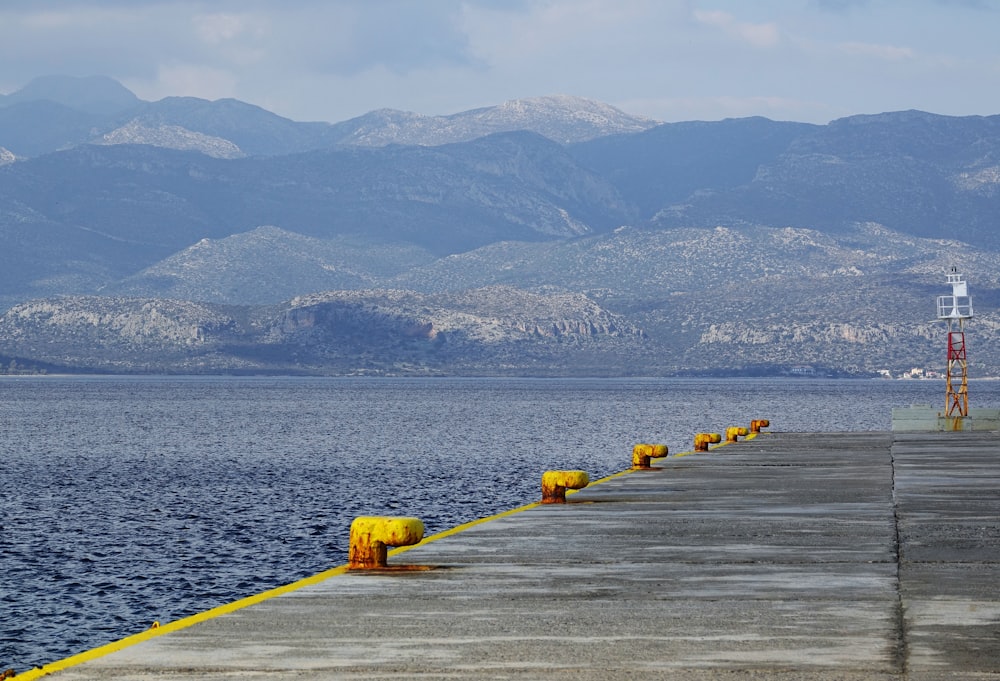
column 642, row 453
column 703, row 440
column 733, row 433
column 371, row 535
column 555, row 483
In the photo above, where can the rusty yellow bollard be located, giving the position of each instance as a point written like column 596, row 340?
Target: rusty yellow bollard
column 370, row 535
column 733, row 433
column 757, row 424
column 703, row 440
column 642, row 453
column 554, row 484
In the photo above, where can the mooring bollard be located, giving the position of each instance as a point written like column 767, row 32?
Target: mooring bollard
column 703, row 440
column 733, row 433
column 555, row 483
column 757, row 424
column 371, row 535
column 642, row 453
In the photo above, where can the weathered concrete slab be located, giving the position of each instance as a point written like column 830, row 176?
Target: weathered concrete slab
column 770, row 558
column 948, row 502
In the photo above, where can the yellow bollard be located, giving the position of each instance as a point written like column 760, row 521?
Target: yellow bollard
column 757, row 424
column 554, row 484
column 733, row 433
column 370, row 535
column 641, row 454
column 703, row 440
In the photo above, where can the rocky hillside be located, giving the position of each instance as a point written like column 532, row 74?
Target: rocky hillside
column 561, row 118
column 170, row 137
column 269, row 265
column 633, row 302
column 488, row 331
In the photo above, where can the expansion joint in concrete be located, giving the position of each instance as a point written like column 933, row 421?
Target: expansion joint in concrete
column 901, row 653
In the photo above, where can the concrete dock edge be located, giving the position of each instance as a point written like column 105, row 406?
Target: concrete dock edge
column 806, row 556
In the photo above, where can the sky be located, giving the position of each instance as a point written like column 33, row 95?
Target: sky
column 669, row 60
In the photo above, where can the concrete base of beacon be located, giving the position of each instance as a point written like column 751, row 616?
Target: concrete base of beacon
column 921, row 418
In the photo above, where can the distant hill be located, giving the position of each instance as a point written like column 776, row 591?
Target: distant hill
column 253, row 130
column 35, row 128
column 359, row 332
column 130, row 206
column 633, row 302
column 561, row 118
column 96, row 95
column 673, row 162
column 922, row 174
column 269, row 265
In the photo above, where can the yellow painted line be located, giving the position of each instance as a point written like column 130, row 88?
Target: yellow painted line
column 176, row 625
column 608, row 477
column 750, row 436
column 465, row 526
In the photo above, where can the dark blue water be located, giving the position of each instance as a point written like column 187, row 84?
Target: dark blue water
column 129, row 500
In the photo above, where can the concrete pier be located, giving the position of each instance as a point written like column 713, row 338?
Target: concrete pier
column 789, row 556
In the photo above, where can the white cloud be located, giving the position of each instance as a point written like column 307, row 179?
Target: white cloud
column 237, row 39
column 887, row 52
column 218, row 28
column 757, row 35
column 188, row 80
column 332, row 59
column 579, row 28
column 47, row 21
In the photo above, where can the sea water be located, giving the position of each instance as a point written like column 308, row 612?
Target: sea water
column 125, row 501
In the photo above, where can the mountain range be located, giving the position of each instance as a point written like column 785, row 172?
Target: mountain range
column 546, row 236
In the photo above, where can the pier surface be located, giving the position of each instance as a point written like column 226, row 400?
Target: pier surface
column 790, row 556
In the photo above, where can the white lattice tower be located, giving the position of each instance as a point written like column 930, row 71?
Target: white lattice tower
column 954, row 310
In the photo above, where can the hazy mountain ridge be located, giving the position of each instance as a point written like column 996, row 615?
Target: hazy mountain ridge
column 100, row 110
column 142, row 204
column 151, row 202
column 673, row 162
column 561, row 118
column 98, row 95
column 927, row 175
column 726, row 246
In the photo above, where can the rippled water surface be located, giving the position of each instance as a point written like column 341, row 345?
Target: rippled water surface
column 129, row 500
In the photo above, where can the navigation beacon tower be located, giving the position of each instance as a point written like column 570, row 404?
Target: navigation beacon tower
column 954, row 310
